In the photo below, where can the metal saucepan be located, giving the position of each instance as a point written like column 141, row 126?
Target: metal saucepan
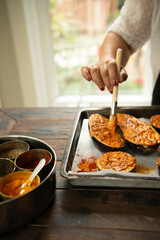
column 17, row 212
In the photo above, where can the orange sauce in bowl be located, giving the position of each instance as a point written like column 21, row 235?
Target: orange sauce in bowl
column 10, row 185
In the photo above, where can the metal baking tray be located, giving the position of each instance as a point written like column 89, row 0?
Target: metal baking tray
column 81, row 145
column 16, row 212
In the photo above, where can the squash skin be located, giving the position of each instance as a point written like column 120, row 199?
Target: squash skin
column 126, row 124
column 104, row 147
column 103, row 124
column 142, row 149
column 157, row 129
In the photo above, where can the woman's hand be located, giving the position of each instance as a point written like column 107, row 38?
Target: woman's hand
column 104, row 74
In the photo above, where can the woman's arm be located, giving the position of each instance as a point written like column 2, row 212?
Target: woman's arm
column 110, row 45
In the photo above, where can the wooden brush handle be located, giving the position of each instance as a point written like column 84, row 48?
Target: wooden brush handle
column 118, row 62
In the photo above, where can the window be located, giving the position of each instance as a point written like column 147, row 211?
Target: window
column 78, row 27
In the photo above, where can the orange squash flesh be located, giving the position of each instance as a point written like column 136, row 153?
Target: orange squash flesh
column 100, row 130
column 158, row 161
column 117, row 161
column 155, row 122
column 137, row 131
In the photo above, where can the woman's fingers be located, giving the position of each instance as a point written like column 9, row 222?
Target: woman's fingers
column 96, row 76
column 123, row 75
column 112, row 72
column 104, row 74
column 86, row 73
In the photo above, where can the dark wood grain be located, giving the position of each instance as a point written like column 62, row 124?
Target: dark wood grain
column 67, row 114
column 80, row 212
column 67, row 233
column 94, row 211
column 51, row 125
column 6, row 123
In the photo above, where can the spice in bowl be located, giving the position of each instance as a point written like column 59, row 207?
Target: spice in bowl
column 6, row 166
column 30, row 159
column 12, row 149
column 10, row 184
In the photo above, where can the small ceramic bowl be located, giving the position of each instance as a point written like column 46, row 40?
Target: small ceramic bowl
column 12, row 181
column 12, row 149
column 29, row 160
column 6, row 166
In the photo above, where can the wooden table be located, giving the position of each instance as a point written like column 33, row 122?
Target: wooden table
column 80, row 212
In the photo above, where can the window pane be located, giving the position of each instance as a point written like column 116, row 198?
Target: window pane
column 79, row 26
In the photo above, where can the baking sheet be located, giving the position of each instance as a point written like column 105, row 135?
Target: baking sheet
column 81, row 146
column 86, row 149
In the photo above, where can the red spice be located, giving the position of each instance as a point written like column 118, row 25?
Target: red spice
column 88, row 164
column 32, row 165
column 143, row 170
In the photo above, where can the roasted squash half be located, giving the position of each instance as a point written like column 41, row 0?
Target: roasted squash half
column 155, row 122
column 103, row 134
column 139, row 135
column 117, row 161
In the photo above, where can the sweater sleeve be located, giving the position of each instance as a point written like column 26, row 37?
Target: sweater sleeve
column 134, row 22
